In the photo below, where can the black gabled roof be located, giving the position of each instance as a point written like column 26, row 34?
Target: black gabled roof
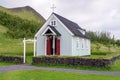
column 73, row 27
column 53, row 28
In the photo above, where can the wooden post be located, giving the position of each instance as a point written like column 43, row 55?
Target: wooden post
column 24, row 53
column 46, row 45
column 53, row 45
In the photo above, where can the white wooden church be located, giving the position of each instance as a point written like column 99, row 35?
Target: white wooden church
column 60, row 36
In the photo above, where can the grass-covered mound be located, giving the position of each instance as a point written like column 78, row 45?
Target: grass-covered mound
column 99, row 50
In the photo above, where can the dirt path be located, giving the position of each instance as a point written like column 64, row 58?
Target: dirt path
column 30, row 67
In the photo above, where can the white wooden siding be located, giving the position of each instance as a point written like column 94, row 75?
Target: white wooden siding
column 82, row 50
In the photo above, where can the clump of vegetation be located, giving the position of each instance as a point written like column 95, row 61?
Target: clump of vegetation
column 118, row 42
column 17, row 27
column 102, row 37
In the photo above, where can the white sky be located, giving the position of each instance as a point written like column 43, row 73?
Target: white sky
column 94, row 15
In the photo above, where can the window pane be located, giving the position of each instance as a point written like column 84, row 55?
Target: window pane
column 77, row 43
column 54, row 23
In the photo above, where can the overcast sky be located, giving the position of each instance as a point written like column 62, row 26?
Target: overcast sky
column 95, row 15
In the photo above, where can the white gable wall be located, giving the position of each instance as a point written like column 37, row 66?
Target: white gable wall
column 65, row 39
column 51, row 18
column 80, row 46
column 41, row 40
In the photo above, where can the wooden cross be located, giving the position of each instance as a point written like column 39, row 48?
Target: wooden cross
column 53, row 8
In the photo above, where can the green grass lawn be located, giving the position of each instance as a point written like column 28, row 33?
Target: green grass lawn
column 52, row 75
column 14, row 47
column 6, row 63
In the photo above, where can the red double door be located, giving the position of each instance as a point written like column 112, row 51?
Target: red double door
column 49, row 45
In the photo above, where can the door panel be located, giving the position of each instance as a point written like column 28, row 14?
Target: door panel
column 48, row 47
column 57, row 46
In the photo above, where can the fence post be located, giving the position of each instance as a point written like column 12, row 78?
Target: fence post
column 24, row 52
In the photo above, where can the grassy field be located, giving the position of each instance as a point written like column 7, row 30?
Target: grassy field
column 52, row 75
column 102, row 49
column 12, row 46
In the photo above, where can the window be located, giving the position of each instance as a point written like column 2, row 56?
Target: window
column 82, row 43
column 77, row 43
column 86, row 44
column 53, row 23
column 82, row 31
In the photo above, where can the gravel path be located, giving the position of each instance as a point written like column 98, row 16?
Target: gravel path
column 30, row 67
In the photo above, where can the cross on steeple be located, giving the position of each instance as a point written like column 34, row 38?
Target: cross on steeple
column 53, row 8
